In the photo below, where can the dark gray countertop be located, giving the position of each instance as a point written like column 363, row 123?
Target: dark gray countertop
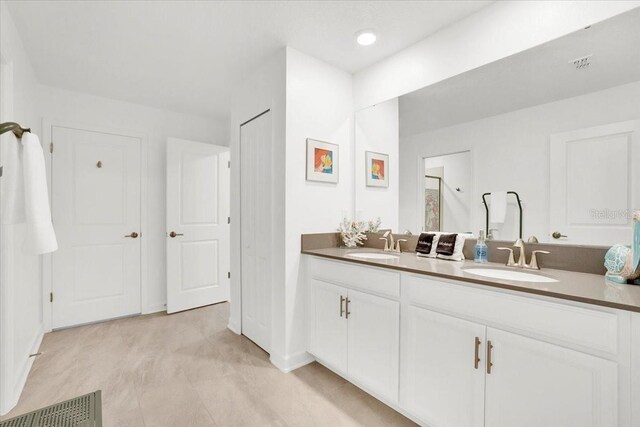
column 581, row 287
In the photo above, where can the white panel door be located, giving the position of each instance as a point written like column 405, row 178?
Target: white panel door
column 329, row 324
column 595, row 184
column 255, row 229
column 374, row 341
column 96, row 214
column 535, row 384
column 442, row 381
column 197, row 224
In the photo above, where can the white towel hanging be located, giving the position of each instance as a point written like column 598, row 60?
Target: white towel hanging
column 12, row 181
column 40, row 236
column 498, row 207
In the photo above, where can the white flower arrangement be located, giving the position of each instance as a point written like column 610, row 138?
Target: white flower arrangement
column 374, row 226
column 636, row 215
column 353, row 232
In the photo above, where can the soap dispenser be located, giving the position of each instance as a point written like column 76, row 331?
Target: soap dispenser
column 481, row 252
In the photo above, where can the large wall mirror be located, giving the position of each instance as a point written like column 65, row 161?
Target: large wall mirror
column 550, row 137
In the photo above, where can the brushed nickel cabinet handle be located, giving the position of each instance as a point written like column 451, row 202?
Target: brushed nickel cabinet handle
column 476, row 357
column 557, row 235
column 132, row 235
column 342, row 299
column 173, row 234
column 348, row 312
column 489, row 363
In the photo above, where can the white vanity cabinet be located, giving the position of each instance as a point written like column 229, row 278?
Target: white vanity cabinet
column 533, row 383
column 374, row 339
column 355, row 332
column 453, row 354
column 329, row 324
column 446, row 380
column 442, row 380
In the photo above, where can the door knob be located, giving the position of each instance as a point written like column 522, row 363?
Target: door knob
column 557, row 235
column 132, row 235
column 174, row 234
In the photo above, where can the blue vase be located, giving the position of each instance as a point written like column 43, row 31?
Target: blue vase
column 623, row 262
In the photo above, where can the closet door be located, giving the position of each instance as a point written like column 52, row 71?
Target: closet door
column 96, row 215
column 255, row 229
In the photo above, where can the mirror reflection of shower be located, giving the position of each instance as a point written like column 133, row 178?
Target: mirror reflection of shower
column 446, row 198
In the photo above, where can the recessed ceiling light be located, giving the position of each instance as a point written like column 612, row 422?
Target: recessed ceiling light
column 366, row 37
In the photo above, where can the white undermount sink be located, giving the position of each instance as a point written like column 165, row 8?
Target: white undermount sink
column 519, row 276
column 371, row 255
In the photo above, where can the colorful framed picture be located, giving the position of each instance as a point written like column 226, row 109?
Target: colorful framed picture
column 377, row 169
column 322, row 161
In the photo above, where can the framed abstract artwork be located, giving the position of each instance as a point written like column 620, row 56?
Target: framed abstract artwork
column 377, row 169
column 322, row 161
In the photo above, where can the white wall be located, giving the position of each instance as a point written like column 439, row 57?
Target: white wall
column 511, row 152
column 319, row 106
column 59, row 106
column 377, row 129
column 263, row 90
column 21, row 325
column 497, row 31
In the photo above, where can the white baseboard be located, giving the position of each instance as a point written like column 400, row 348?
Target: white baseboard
column 8, row 403
column 234, row 328
column 293, row 362
column 154, row 308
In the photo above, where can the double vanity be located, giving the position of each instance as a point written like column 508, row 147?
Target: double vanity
column 462, row 344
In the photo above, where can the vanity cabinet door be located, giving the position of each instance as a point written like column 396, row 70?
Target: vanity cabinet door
column 442, row 380
column 533, row 384
column 328, row 327
column 374, row 339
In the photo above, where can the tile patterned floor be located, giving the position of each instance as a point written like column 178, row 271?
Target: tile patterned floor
column 188, row 369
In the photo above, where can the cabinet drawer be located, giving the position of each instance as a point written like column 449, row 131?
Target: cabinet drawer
column 371, row 279
column 592, row 329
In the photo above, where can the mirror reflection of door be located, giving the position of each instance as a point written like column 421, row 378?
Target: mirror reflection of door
column 447, row 191
column 432, row 199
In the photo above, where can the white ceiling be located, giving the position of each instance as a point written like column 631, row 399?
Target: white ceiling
column 536, row 76
column 187, row 55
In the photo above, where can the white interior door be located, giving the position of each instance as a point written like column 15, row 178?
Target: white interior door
column 197, row 224
column 96, row 214
column 255, row 229
column 595, row 184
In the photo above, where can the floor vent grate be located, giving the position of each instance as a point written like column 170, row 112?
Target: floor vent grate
column 82, row 411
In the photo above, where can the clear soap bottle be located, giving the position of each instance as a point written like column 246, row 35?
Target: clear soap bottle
column 481, row 252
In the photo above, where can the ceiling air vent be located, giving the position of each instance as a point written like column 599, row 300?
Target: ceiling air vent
column 582, row 63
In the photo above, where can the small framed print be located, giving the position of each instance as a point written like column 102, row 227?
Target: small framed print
column 322, row 161
column 377, row 169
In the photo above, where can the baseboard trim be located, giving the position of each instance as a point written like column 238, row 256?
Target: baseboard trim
column 290, row 363
column 234, row 328
column 154, row 308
